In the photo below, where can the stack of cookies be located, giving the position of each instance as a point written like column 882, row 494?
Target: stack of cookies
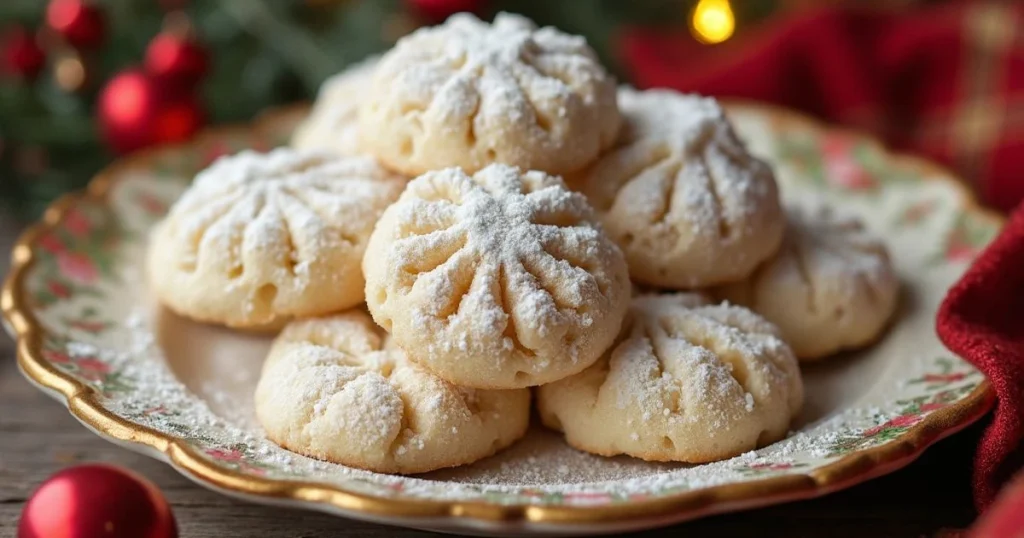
column 474, row 213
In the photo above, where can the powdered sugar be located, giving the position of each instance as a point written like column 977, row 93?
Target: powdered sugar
column 838, row 243
column 216, row 415
column 309, row 187
column 831, row 285
column 851, row 395
column 681, row 194
column 683, row 371
column 259, row 237
column 723, row 341
column 333, row 123
column 505, row 266
column 694, row 133
column 687, row 121
column 333, row 388
column 468, row 93
column 510, row 46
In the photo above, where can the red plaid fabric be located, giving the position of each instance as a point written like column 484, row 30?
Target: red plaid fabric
column 945, row 81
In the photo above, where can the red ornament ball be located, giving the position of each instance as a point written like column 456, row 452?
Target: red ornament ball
column 22, row 55
column 93, row 501
column 134, row 110
column 176, row 60
column 435, row 11
column 80, row 23
column 178, row 120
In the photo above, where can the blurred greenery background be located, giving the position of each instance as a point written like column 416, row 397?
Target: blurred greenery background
column 260, row 53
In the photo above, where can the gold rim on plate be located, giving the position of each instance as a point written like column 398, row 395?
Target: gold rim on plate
column 84, row 402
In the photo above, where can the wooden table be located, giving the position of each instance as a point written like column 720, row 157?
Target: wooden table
column 38, row 437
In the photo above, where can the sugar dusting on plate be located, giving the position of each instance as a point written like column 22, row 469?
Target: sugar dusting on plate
column 541, row 460
column 215, row 415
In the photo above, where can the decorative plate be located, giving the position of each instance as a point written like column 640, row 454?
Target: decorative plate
column 151, row 381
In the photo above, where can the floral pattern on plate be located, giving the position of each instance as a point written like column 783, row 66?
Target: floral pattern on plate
column 85, row 262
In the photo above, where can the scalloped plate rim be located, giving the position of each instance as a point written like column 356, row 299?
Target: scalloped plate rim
column 489, row 518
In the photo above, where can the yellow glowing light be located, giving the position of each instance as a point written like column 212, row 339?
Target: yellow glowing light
column 712, row 21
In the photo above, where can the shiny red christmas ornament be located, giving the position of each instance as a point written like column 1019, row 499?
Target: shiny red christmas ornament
column 178, row 119
column 134, row 110
column 176, row 60
column 79, row 22
column 435, row 11
column 22, row 54
column 94, row 501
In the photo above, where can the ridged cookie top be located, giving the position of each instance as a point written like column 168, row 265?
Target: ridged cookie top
column 681, row 195
column 263, row 236
column 506, row 270
column 468, row 93
column 333, row 388
column 686, row 381
column 288, row 204
column 831, row 286
column 333, row 122
column 840, row 241
column 713, row 356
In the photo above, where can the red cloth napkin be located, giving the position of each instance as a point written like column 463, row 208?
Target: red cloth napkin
column 945, row 81
column 1006, row 517
column 982, row 320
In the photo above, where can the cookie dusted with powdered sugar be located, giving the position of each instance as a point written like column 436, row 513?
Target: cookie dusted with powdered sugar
column 501, row 279
column 831, row 286
column 260, row 238
column 681, row 195
column 333, row 389
column 333, row 122
column 686, row 381
column 468, row 94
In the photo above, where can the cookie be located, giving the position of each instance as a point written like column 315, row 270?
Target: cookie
column 681, row 195
column 469, row 94
column 831, row 287
column 333, row 389
column 333, row 122
column 686, row 381
column 260, row 238
column 498, row 280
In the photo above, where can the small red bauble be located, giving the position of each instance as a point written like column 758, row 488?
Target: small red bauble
column 176, row 60
column 435, row 11
column 22, row 54
column 80, row 23
column 93, row 501
column 125, row 109
column 178, row 119
column 134, row 110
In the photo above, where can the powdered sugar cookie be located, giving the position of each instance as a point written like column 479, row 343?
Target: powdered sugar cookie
column 830, row 287
column 686, row 382
column 332, row 388
column 681, row 195
column 333, row 122
column 469, row 94
column 260, row 238
column 499, row 280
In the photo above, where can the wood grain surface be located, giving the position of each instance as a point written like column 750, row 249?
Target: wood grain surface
column 38, row 437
